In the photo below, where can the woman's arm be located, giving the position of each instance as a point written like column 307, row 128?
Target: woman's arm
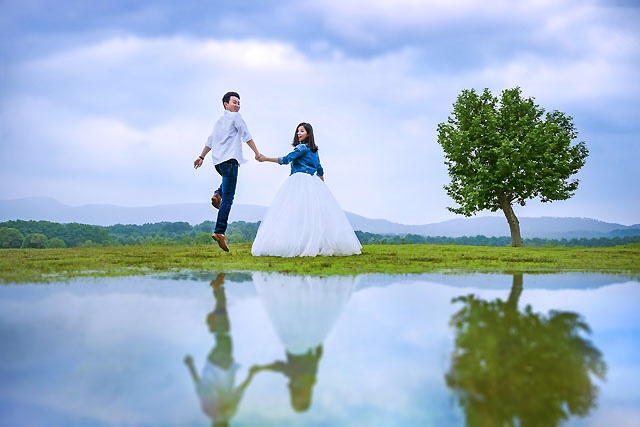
column 298, row 151
column 264, row 158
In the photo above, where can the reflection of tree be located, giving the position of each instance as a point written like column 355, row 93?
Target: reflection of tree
column 303, row 310
column 219, row 397
column 521, row 368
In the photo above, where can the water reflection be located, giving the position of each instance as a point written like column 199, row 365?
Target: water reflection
column 216, row 387
column 512, row 367
column 369, row 351
column 303, row 310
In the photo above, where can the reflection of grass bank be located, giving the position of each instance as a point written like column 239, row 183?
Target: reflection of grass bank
column 17, row 265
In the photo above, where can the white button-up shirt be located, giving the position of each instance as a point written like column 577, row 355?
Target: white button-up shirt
column 229, row 134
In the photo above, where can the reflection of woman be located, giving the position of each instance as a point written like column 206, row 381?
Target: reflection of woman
column 301, row 370
column 216, row 389
column 303, row 310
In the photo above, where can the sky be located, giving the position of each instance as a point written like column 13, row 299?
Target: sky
column 111, row 102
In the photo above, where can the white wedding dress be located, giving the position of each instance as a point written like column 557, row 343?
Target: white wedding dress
column 303, row 309
column 305, row 220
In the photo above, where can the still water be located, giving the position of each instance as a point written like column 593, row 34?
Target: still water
column 266, row 349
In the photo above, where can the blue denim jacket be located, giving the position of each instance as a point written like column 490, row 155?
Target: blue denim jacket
column 302, row 159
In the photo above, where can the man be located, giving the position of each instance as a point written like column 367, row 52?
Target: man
column 225, row 145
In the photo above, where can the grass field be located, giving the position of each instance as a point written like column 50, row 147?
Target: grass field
column 46, row 265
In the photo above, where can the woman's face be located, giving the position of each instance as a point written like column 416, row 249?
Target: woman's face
column 302, row 133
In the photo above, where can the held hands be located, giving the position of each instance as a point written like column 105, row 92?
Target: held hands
column 198, row 162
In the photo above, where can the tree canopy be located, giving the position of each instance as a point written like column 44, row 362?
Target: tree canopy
column 10, row 237
column 501, row 151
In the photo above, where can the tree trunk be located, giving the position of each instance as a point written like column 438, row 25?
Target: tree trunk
column 516, row 291
column 514, row 224
column 511, row 308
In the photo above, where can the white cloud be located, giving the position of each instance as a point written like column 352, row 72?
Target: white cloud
column 367, row 20
column 104, row 124
column 120, row 121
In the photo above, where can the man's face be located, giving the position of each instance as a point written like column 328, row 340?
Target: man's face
column 233, row 105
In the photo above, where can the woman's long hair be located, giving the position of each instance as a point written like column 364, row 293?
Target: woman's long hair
column 310, row 141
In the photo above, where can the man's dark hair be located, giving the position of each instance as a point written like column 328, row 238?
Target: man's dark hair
column 227, row 96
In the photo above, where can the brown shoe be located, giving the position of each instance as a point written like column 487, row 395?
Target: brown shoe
column 216, row 200
column 218, row 281
column 219, row 238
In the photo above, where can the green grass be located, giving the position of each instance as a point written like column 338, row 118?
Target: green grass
column 45, row 265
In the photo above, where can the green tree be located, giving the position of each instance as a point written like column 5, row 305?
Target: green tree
column 10, row 238
column 502, row 151
column 56, row 242
column 78, row 234
column 520, row 368
column 36, row 241
column 203, row 239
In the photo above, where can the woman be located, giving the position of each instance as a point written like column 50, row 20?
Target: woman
column 304, row 219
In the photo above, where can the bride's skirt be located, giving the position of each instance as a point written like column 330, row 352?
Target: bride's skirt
column 303, row 309
column 305, row 220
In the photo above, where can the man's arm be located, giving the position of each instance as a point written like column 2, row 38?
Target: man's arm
column 188, row 360
column 253, row 147
column 198, row 162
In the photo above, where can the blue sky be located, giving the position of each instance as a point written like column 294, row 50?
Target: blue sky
column 110, row 102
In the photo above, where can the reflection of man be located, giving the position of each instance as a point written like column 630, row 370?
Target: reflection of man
column 216, row 389
column 301, row 369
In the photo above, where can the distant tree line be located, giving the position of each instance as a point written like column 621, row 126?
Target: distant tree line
column 45, row 234
column 480, row 240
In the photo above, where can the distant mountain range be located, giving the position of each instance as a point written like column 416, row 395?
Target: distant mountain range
column 39, row 208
